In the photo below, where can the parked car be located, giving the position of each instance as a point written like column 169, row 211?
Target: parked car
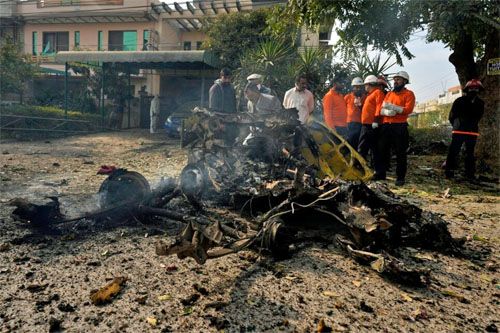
column 173, row 125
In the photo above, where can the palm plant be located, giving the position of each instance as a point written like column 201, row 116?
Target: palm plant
column 364, row 65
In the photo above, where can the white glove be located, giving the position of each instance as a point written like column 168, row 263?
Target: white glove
column 374, row 125
column 393, row 107
column 388, row 113
column 398, row 109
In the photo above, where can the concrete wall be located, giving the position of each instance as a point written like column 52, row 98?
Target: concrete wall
column 88, row 33
column 28, row 8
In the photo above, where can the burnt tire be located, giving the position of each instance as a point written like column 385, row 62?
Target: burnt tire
column 121, row 187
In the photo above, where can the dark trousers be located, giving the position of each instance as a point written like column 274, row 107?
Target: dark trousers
column 342, row 131
column 456, row 144
column 367, row 141
column 396, row 136
column 353, row 132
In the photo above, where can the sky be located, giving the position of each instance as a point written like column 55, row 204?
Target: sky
column 430, row 71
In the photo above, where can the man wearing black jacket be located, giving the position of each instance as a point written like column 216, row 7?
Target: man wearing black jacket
column 464, row 117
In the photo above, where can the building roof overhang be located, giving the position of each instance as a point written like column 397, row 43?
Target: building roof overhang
column 143, row 59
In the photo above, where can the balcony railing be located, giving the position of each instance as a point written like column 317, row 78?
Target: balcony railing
column 59, row 3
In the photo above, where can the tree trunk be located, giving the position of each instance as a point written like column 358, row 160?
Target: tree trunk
column 488, row 146
column 462, row 58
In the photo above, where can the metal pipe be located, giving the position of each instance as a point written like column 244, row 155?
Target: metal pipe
column 65, row 90
column 102, row 95
column 129, row 95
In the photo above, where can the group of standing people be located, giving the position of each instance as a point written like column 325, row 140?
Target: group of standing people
column 372, row 118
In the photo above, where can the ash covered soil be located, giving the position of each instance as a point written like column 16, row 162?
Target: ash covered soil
column 46, row 281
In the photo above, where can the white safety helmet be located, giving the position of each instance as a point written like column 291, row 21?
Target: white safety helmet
column 357, row 81
column 371, row 79
column 404, row 75
column 254, row 77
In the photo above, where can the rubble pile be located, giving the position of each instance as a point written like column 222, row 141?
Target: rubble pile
column 279, row 183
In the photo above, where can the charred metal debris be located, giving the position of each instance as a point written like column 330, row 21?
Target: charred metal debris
column 280, row 183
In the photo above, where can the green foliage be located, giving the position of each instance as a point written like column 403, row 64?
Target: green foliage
column 438, row 117
column 47, row 111
column 280, row 63
column 363, row 65
column 116, row 86
column 78, row 99
column 15, row 68
column 230, row 35
column 387, row 25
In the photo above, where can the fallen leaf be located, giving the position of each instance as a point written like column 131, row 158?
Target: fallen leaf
column 406, row 297
column 485, row 278
column 378, row 265
column 328, row 293
column 424, row 256
column 106, row 293
column 152, row 321
column 476, row 237
column 451, row 293
column 420, row 313
column 187, row 311
column 446, row 194
column 165, row 297
column 357, row 283
column 322, row 327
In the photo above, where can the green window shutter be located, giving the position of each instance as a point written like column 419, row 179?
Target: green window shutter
column 145, row 39
column 130, row 41
column 100, row 41
column 77, row 39
column 34, row 49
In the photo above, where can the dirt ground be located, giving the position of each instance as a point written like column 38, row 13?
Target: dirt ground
column 45, row 281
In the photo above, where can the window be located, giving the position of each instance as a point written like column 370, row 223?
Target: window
column 198, row 45
column 187, row 46
column 145, row 39
column 100, row 41
column 323, row 35
column 77, row 39
column 34, row 49
column 122, row 41
column 55, row 41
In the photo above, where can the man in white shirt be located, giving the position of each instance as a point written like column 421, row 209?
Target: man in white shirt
column 300, row 98
column 261, row 103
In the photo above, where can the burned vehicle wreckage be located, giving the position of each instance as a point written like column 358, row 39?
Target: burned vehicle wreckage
column 279, row 183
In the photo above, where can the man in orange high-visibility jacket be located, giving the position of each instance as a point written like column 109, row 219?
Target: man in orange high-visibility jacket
column 369, row 123
column 335, row 110
column 354, row 102
column 398, row 105
column 465, row 114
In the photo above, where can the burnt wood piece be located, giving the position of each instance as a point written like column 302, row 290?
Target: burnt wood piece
column 37, row 216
